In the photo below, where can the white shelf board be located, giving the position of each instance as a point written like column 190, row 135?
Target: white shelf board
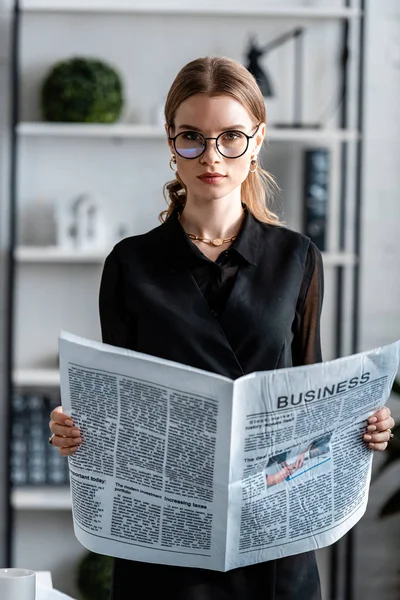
column 185, row 7
column 36, row 377
column 132, row 131
column 338, row 259
column 311, row 135
column 118, row 130
column 54, row 254
column 41, row 498
column 29, row 254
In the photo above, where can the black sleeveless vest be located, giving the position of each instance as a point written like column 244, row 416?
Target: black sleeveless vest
column 162, row 311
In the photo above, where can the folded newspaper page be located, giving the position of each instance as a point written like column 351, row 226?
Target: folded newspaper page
column 184, row 467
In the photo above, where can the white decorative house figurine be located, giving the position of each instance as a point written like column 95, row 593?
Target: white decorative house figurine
column 82, row 225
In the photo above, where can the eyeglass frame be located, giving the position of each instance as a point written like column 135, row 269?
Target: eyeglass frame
column 248, row 138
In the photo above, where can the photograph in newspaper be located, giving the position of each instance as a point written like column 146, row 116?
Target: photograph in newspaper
column 184, row 467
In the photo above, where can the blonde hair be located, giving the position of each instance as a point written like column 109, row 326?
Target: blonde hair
column 219, row 76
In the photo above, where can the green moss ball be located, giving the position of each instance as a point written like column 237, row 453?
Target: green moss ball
column 82, row 90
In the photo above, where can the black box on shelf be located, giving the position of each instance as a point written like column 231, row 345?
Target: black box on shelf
column 316, row 194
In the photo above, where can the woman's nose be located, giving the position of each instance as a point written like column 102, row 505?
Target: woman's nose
column 211, row 153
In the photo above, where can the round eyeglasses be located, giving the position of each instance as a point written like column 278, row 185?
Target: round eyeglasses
column 230, row 144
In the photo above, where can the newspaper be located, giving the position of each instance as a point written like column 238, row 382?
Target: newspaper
column 180, row 466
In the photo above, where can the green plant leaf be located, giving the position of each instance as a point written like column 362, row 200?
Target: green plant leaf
column 392, row 506
column 94, row 576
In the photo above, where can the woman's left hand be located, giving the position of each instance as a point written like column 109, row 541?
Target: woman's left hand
column 379, row 429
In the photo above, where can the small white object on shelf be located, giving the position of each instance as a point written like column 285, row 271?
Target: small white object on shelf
column 81, row 224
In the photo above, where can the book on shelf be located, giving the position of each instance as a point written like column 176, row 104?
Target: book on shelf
column 34, row 462
column 316, row 194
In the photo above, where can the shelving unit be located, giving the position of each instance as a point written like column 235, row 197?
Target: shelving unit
column 53, row 254
column 180, row 7
column 134, row 131
column 34, row 144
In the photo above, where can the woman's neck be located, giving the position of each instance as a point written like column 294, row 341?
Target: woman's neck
column 212, row 220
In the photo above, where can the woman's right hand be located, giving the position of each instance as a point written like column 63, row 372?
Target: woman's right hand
column 65, row 436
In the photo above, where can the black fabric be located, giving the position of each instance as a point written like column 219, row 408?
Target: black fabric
column 256, row 308
column 215, row 280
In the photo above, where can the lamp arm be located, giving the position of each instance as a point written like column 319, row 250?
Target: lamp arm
column 282, row 39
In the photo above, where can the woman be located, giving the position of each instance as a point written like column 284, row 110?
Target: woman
column 220, row 285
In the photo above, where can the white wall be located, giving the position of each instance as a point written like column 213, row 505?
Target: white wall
column 377, row 542
column 380, row 314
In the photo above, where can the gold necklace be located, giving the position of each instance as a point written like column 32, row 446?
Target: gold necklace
column 216, row 242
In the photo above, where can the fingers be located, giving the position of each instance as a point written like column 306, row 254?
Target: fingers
column 62, row 424
column 380, row 415
column 380, row 446
column 381, row 425
column 64, row 431
column 61, row 441
column 379, row 428
column 66, row 445
column 66, row 437
column 58, row 416
column 377, row 438
column 68, row 451
column 380, row 421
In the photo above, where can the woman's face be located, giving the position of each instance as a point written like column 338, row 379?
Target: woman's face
column 213, row 176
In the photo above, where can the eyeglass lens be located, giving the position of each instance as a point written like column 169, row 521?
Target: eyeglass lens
column 230, row 144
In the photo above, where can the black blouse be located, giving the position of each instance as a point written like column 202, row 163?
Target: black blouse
column 215, row 279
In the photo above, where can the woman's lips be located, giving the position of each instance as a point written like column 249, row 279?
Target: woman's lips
column 211, row 177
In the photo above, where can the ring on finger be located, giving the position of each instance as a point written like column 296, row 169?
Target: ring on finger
column 51, row 438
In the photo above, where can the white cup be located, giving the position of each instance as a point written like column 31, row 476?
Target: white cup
column 17, row 584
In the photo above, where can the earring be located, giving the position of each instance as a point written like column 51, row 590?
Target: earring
column 254, row 164
column 172, row 162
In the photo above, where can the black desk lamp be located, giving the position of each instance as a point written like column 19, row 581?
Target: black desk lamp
column 264, row 81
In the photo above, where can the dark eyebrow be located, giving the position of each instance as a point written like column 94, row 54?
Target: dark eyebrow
column 191, row 128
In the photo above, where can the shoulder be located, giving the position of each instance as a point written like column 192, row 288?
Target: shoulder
column 141, row 244
column 282, row 237
column 283, row 233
